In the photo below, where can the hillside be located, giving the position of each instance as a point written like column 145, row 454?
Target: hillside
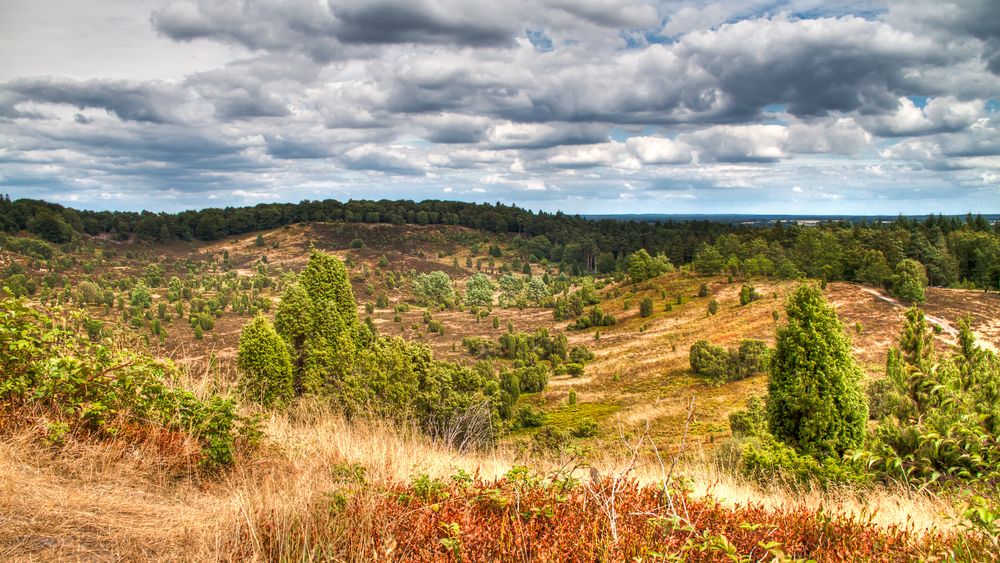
column 132, row 501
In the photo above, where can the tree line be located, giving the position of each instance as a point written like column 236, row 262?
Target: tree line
column 954, row 251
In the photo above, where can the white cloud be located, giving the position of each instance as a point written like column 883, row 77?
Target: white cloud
column 555, row 102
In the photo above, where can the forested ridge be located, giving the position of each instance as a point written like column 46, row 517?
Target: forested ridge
column 954, row 251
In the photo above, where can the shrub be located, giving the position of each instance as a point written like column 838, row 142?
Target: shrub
column 357, row 243
column 713, row 307
column 748, row 294
column 549, row 440
column 709, row 360
column 815, row 402
column 703, row 290
column 580, row 354
column 765, row 458
column 479, row 346
column 753, row 356
column 574, row 370
column 751, row 421
column 939, row 420
column 479, row 291
column 586, row 428
column 720, row 365
column 49, row 374
column 533, row 379
column 94, row 329
column 528, row 417
column 140, row 296
column 595, row 318
column 88, row 293
column 645, row 307
column 434, row 289
column 264, row 364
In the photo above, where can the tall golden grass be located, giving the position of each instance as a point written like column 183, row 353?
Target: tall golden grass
column 124, row 501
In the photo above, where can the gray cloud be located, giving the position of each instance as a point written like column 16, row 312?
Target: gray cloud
column 327, row 31
column 957, row 21
column 152, row 102
column 388, row 159
column 618, row 104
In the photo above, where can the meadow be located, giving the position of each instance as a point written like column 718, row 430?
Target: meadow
column 619, row 451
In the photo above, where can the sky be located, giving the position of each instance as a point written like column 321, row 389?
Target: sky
column 583, row 106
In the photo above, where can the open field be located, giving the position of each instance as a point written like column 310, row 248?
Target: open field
column 105, row 502
column 120, row 500
column 640, row 374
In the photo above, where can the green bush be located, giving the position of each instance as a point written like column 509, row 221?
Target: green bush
column 753, row 356
column 533, row 378
column 434, row 289
column 580, row 354
column 479, row 291
column 596, row 317
column 50, row 374
column 645, row 307
column 709, row 360
column 939, row 416
column 528, row 417
column 815, row 402
column 748, row 294
column 549, row 440
column 586, row 428
column 751, row 421
column 765, row 458
column 264, row 365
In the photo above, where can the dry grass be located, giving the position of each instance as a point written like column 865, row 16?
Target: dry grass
column 101, row 501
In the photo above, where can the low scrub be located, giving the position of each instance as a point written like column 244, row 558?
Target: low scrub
column 527, row 517
column 719, row 365
column 56, row 377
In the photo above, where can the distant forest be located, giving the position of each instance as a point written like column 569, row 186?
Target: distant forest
column 954, row 251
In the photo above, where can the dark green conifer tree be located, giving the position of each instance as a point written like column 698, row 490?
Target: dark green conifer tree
column 264, row 364
column 815, row 401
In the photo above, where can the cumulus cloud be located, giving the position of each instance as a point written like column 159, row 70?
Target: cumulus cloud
column 941, row 114
column 153, row 102
column 329, row 30
column 391, row 159
column 555, row 102
column 533, row 135
column 658, row 150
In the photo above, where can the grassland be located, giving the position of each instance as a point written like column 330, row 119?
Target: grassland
column 318, row 486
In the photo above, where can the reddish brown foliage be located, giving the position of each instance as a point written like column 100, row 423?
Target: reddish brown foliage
column 514, row 520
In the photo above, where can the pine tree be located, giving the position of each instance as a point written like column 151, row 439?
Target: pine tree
column 815, row 401
column 294, row 322
column 264, row 364
column 325, row 277
column 916, row 341
column 318, row 318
